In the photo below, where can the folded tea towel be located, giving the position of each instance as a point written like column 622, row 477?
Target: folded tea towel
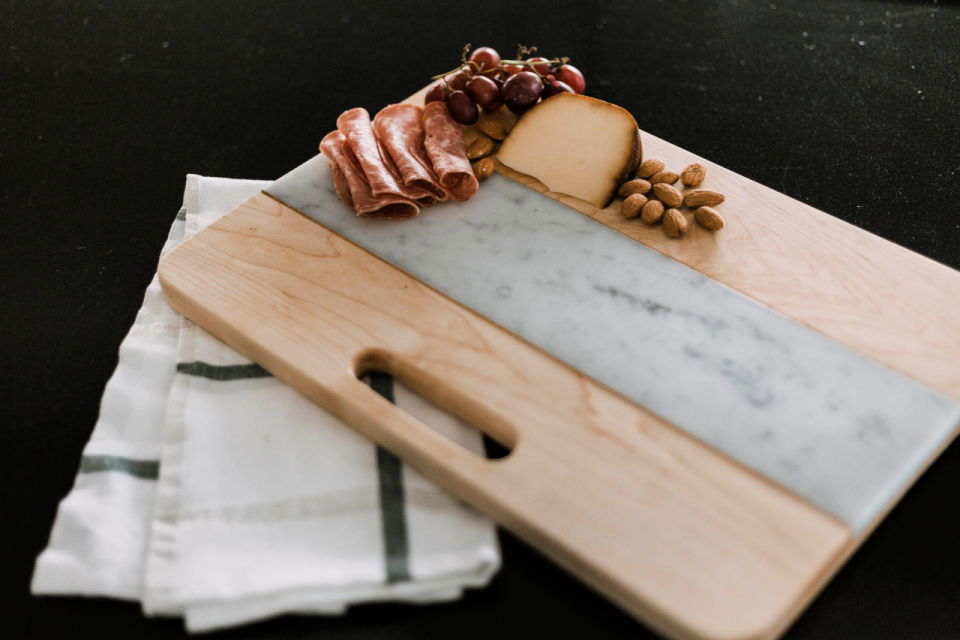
column 211, row 490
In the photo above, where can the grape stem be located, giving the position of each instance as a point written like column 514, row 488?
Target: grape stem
column 441, row 76
column 503, row 63
column 533, row 65
column 525, row 51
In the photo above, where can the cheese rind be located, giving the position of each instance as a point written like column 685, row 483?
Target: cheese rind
column 575, row 145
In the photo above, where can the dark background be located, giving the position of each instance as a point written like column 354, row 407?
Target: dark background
column 851, row 106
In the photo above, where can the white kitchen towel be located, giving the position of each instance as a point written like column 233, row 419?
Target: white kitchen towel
column 265, row 503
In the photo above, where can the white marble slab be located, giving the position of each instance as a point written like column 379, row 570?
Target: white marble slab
column 833, row 426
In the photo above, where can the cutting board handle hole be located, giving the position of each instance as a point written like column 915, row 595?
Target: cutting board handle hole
column 417, row 393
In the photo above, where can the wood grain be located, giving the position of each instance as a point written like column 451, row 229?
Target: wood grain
column 676, row 533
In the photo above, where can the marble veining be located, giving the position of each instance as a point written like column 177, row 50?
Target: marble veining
column 831, row 425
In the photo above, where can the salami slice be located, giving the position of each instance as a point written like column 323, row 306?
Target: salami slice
column 352, row 186
column 443, row 142
column 424, row 198
column 399, row 129
column 356, row 127
column 340, row 184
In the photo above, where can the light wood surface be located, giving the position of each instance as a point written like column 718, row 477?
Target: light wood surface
column 679, row 535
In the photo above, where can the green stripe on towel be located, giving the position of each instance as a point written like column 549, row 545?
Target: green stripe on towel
column 223, row 371
column 389, row 467
column 146, row 469
column 392, row 508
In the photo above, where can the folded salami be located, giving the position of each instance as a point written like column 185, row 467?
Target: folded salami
column 424, row 198
column 352, row 186
column 380, row 173
column 443, row 141
column 399, row 129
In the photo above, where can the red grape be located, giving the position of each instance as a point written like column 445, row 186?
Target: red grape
column 572, row 76
column 542, row 69
column 553, row 87
column 521, row 91
column 485, row 91
column 493, row 106
column 462, row 107
column 437, row 92
column 499, row 103
column 512, row 69
column 458, row 80
column 487, row 58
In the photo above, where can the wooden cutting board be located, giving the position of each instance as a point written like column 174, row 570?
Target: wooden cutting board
column 684, row 532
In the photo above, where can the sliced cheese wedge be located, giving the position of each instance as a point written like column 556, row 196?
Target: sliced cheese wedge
column 575, row 145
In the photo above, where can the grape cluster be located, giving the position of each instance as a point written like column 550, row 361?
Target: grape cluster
column 485, row 81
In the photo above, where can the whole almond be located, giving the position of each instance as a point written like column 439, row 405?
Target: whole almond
column 637, row 185
column 492, row 128
column 674, row 224
column 652, row 212
column 709, row 218
column 481, row 147
column 470, row 134
column 667, row 194
column 702, row 198
column 667, row 177
column 693, row 175
column 632, row 205
column 502, row 115
column 483, row 168
column 649, row 167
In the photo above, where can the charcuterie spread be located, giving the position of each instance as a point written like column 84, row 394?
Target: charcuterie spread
column 529, row 115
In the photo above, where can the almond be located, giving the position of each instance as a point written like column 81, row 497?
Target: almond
column 709, row 218
column 633, row 186
column 674, row 224
column 702, row 198
column 493, row 128
column 649, row 167
column 652, row 212
column 481, row 147
column 483, row 168
column 668, row 177
column 693, row 175
column 632, row 205
column 470, row 134
column 667, row 194
column 503, row 116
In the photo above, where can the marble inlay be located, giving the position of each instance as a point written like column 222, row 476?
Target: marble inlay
column 831, row 425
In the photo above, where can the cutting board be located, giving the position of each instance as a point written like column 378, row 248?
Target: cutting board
column 701, row 429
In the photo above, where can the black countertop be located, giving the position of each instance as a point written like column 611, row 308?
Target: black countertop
column 850, row 106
